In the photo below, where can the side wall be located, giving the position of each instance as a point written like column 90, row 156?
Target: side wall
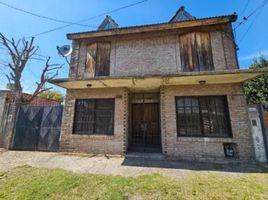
column 205, row 148
column 103, row 144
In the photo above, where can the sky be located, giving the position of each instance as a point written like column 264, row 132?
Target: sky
column 251, row 36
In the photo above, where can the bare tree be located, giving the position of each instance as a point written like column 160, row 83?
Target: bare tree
column 20, row 53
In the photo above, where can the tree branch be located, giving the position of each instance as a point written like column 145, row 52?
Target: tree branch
column 21, row 52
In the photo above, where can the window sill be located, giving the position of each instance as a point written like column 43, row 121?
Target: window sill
column 204, row 139
column 94, row 136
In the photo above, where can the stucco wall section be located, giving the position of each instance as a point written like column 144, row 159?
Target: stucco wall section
column 2, row 120
column 115, row 144
column 206, row 148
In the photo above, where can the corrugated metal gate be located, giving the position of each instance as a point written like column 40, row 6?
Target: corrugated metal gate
column 38, row 128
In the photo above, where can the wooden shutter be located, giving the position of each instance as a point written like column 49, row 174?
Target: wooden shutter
column 103, row 59
column 188, row 52
column 195, row 51
column 204, row 52
column 91, row 60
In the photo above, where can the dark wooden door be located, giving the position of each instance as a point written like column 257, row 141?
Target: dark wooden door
column 145, row 128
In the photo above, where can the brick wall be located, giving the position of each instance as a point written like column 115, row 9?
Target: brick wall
column 205, row 148
column 145, row 56
column 152, row 55
column 192, row 148
column 115, row 144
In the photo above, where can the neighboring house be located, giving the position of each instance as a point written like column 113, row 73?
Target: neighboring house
column 173, row 88
column 6, row 112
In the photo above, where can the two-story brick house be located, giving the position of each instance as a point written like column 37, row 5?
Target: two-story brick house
column 173, row 88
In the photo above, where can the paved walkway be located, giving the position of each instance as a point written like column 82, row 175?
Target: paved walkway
column 85, row 163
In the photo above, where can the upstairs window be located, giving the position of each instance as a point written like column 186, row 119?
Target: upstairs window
column 94, row 116
column 203, row 116
column 195, row 51
column 98, row 59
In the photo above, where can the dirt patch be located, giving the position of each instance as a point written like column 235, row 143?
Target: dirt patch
column 111, row 165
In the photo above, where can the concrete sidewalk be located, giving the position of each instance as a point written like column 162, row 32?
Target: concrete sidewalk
column 133, row 166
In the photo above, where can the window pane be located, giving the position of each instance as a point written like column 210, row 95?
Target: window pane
column 104, row 116
column 188, row 117
column 94, row 116
column 84, row 116
column 202, row 116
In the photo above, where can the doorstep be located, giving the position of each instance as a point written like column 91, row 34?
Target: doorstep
column 146, row 156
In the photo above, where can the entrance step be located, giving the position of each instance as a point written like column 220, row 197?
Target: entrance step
column 146, row 156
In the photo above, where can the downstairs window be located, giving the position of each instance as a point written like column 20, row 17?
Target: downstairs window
column 203, row 116
column 94, row 116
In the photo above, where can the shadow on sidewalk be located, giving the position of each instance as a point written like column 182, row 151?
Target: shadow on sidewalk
column 158, row 161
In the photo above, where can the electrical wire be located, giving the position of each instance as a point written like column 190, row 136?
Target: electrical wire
column 90, row 18
column 251, row 14
column 245, row 7
column 251, row 24
column 44, row 17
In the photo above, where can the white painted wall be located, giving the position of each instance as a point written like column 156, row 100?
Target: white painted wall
column 257, row 134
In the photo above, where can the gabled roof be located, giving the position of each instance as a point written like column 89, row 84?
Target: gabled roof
column 182, row 15
column 108, row 23
column 154, row 27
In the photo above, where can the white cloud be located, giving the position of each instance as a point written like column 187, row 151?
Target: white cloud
column 254, row 55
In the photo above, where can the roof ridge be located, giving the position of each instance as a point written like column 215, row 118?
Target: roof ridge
column 108, row 23
column 182, row 15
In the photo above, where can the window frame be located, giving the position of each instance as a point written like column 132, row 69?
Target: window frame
column 202, row 135
column 94, row 122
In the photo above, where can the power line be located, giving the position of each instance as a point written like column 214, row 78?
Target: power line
column 245, row 7
column 246, row 32
column 87, row 19
column 42, row 16
column 253, row 21
column 251, row 14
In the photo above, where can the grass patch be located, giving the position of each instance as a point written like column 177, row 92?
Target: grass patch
column 39, row 183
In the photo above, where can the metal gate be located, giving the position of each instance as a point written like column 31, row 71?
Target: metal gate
column 145, row 133
column 38, row 128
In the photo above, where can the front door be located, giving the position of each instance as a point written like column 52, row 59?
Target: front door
column 145, row 128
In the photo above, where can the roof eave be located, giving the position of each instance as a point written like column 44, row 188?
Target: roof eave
column 185, row 78
column 153, row 27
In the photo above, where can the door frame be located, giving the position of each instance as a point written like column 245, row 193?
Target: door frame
column 144, row 101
